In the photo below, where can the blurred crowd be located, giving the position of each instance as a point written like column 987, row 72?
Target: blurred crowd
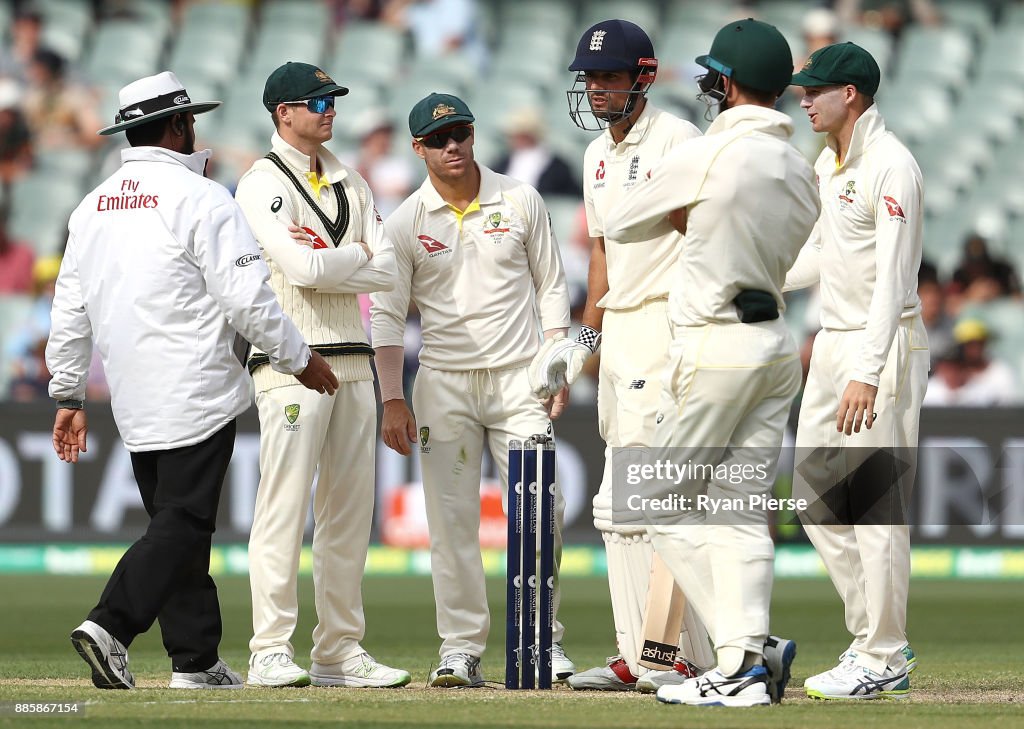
column 50, row 110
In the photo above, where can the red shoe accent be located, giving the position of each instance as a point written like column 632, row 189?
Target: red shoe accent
column 685, row 668
column 621, row 669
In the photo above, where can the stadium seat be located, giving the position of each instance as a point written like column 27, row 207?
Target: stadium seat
column 224, row 14
column 644, row 13
column 295, row 15
column 1002, row 56
column 14, row 311
column 974, row 16
column 122, row 50
column 556, row 18
column 374, row 50
column 209, row 53
column 920, row 47
column 716, row 14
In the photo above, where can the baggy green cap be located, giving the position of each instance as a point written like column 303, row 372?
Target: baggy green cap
column 753, row 54
column 437, row 111
column 838, row 64
column 296, row 81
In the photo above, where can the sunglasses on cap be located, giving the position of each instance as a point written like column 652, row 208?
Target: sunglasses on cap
column 439, row 139
column 316, row 105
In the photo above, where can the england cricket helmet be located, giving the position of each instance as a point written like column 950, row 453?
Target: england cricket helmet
column 611, row 45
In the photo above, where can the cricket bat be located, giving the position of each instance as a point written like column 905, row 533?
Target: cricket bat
column 663, row 619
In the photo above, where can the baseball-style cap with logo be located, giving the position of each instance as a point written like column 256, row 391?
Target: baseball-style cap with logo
column 436, row 112
column 153, row 97
column 840, row 63
column 751, row 53
column 296, row 81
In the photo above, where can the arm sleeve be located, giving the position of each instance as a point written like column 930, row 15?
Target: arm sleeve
column 806, row 270
column 379, row 273
column 302, row 266
column 69, row 348
column 389, row 309
column 546, row 266
column 898, row 211
column 221, row 242
column 390, row 364
column 675, row 182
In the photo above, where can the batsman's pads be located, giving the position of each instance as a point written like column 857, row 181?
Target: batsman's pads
column 560, row 361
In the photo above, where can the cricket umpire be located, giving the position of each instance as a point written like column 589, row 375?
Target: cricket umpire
column 746, row 200
column 869, row 366
column 160, row 272
column 301, row 186
column 477, row 256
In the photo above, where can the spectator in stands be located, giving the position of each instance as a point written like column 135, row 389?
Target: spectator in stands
column 60, row 114
column 390, row 176
column 933, row 313
column 16, row 260
column 981, row 381
column 26, row 29
column 889, row 15
column 980, row 277
column 15, row 137
column 440, row 27
column 530, row 160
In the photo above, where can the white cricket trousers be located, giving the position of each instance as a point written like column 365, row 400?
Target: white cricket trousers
column 462, row 411
column 727, row 396
column 339, row 433
column 634, row 355
column 869, row 563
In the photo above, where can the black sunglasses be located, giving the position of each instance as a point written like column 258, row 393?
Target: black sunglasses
column 439, row 139
column 316, row 105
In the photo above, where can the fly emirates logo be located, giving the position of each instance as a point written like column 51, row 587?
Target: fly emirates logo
column 129, row 199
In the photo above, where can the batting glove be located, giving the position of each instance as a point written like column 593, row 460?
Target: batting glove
column 560, row 361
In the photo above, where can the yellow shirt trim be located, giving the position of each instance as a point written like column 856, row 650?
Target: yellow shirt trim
column 460, row 214
column 317, row 182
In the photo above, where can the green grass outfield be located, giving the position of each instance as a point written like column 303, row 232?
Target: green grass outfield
column 967, row 635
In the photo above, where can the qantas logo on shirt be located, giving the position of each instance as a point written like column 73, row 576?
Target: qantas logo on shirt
column 432, row 246
column 318, row 242
column 895, row 211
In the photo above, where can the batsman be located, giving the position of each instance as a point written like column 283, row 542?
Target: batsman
column 627, row 303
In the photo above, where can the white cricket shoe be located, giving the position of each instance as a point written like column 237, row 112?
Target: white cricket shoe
column 850, row 681
column 360, row 671
column 779, row 654
column 457, row 669
column 219, row 676
column 713, row 689
column 276, row 670
column 615, row 676
column 682, row 670
column 105, row 654
column 561, row 665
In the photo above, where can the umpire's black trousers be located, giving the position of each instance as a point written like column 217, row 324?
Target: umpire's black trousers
column 165, row 575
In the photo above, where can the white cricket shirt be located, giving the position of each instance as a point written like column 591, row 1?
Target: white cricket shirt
column 643, row 269
column 751, row 204
column 866, row 248
column 479, row 278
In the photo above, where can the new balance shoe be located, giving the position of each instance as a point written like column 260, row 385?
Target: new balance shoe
column 561, row 665
column 219, row 676
column 105, row 654
column 457, row 669
column 361, row 671
column 779, row 654
column 749, row 688
column 615, row 676
column 276, row 670
column 851, row 681
column 682, row 670
column 911, row 657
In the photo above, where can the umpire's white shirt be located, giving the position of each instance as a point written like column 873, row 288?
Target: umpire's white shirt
column 751, row 203
column 642, row 270
column 465, row 272
column 867, row 245
column 160, row 270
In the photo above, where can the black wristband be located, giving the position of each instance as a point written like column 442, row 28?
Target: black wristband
column 70, row 404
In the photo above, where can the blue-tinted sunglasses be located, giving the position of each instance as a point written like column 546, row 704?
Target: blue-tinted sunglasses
column 318, row 104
